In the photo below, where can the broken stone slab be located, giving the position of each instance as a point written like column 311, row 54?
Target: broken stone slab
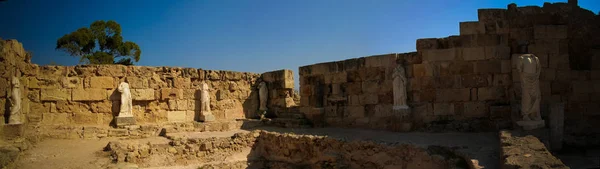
column 124, row 121
column 531, row 125
column 11, row 131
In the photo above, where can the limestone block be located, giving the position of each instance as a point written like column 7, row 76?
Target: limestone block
column 443, row 109
column 137, row 82
column 354, row 100
column 112, row 70
column 339, row 78
column 234, row 76
column 353, row 87
column 582, row 87
column 550, row 31
column 420, row 70
column 434, row 55
column 447, row 95
column 383, row 111
column 427, row 43
column 355, row 111
column 369, row 99
column 491, row 15
column 53, row 71
column 373, row 73
column 56, row 118
column 423, row 96
column 102, row 82
column 491, row 93
column 55, row 94
column 190, row 73
column 563, row 87
column 71, row 82
column 370, row 86
column 500, row 112
column 212, row 75
column 176, row 116
column 475, row 109
column 171, row 94
column 502, row 80
column 447, row 82
column 43, row 83
column 497, row 52
column 142, row 94
column 472, row 27
column 476, row 80
column 560, row 62
column 100, row 107
column 490, row 66
column 420, row 83
column 505, row 66
column 89, row 94
column 473, row 53
column 182, row 83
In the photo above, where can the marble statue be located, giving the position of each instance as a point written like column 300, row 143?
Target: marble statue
column 126, row 104
column 263, row 95
column 15, row 101
column 399, row 88
column 529, row 69
column 205, row 113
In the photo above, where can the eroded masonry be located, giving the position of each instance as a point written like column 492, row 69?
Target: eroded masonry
column 531, row 75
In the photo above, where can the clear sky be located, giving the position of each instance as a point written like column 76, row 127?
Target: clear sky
column 246, row 35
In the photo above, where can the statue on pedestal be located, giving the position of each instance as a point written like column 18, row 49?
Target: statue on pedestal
column 15, row 102
column 529, row 69
column 205, row 113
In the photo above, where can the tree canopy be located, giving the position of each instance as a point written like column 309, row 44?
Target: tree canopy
column 101, row 43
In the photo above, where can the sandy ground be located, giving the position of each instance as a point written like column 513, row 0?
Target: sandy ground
column 88, row 154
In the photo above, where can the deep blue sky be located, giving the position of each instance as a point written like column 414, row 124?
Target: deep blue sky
column 246, row 35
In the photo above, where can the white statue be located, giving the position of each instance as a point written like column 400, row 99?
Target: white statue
column 126, row 105
column 205, row 113
column 529, row 69
column 15, row 101
column 399, row 88
column 263, row 94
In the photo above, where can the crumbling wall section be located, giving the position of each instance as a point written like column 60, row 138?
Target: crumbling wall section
column 280, row 86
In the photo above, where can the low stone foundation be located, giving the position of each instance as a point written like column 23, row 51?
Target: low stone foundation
column 261, row 149
column 519, row 151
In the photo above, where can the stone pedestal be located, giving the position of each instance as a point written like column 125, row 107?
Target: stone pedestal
column 206, row 117
column 10, row 131
column 124, row 121
column 531, row 125
column 556, row 125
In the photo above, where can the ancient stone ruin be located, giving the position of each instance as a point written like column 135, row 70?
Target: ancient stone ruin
column 512, row 86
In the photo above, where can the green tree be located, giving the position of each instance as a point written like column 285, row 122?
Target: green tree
column 101, row 43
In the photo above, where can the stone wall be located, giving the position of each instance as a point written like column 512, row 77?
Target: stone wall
column 281, row 91
column 87, row 95
column 468, row 82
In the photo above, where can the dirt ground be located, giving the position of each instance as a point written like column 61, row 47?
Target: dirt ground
column 53, row 153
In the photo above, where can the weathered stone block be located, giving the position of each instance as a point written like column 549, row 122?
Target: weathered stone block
column 124, row 121
column 176, row 116
column 475, row 109
column 500, row 112
column 473, row 53
column 55, row 94
column 505, row 66
column 71, row 82
column 182, row 83
column 420, row 70
column 423, row 96
column 112, row 70
column 420, row 83
column 56, row 118
column 550, row 31
column 491, row 66
column 369, row 99
column 370, row 86
column 434, row 55
column 38, row 83
column 476, row 80
column 502, row 80
column 102, row 82
column 583, row 87
column 137, row 82
column 497, row 52
column 373, row 73
column 491, row 93
column 89, row 94
column 560, row 62
column 453, row 68
column 427, row 43
column 447, row 95
column 142, row 94
column 443, row 109
column 171, row 94
column 472, row 27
